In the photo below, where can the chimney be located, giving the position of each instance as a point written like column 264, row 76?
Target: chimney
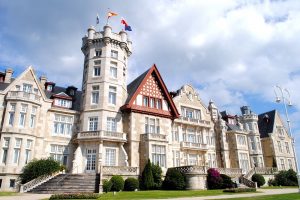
column 43, row 80
column 8, row 75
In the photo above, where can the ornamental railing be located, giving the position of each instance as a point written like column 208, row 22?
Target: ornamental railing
column 193, row 169
column 196, row 121
column 21, row 95
column 232, row 172
column 103, row 135
column 193, row 145
column 120, row 170
column 36, row 182
column 154, row 136
column 248, row 182
column 265, row 170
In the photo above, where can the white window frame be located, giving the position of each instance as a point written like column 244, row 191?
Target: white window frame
column 93, row 124
column 110, row 156
column 112, row 95
column 111, row 124
column 159, row 155
column 62, row 125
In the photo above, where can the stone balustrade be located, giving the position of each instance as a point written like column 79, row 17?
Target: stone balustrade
column 193, row 169
column 232, row 172
column 195, row 121
column 154, row 136
column 36, row 182
column 193, row 145
column 102, row 135
column 265, row 170
column 248, row 182
column 23, row 96
column 120, row 170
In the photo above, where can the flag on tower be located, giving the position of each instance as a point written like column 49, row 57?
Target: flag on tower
column 97, row 19
column 127, row 27
column 111, row 14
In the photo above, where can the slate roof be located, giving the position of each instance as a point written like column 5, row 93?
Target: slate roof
column 133, row 86
column 3, row 85
column 266, row 126
column 58, row 89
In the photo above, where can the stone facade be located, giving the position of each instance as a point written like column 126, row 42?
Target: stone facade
column 113, row 128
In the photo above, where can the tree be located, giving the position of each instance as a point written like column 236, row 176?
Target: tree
column 214, row 180
column 117, row 183
column 131, row 184
column 259, row 179
column 157, row 175
column 227, row 182
column 174, row 180
column 147, row 182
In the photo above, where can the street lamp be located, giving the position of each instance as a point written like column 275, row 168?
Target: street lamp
column 285, row 98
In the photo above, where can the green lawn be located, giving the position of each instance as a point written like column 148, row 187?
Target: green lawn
column 160, row 194
column 293, row 196
column 8, row 193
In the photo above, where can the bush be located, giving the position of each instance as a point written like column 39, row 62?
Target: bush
column 117, row 183
column 259, row 179
column 147, row 182
column 214, row 180
column 286, row 178
column 107, row 186
column 36, row 168
column 240, row 190
column 75, row 196
column 174, row 180
column 227, row 182
column 157, row 175
column 131, row 184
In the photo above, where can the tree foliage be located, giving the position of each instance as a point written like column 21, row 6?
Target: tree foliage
column 174, row 180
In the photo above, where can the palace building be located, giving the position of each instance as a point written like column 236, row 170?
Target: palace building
column 111, row 127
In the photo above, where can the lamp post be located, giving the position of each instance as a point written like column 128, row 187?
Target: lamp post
column 285, row 98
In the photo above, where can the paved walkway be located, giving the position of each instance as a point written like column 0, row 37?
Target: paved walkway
column 30, row 196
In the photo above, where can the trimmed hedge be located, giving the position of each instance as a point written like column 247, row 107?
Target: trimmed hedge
column 259, row 179
column 227, row 182
column 117, row 183
column 284, row 178
column 240, row 190
column 174, row 180
column 36, row 168
column 131, row 184
column 75, row 196
column 107, row 186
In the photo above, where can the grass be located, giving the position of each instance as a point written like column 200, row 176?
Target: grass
column 160, row 194
column 278, row 187
column 293, row 196
column 7, row 194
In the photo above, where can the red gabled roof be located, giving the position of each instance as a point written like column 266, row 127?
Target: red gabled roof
column 135, row 87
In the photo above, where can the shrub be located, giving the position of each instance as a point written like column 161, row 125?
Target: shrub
column 36, row 168
column 147, row 181
column 214, row 180
column 117, row 183
column 227, row 182
column 107, row 186
column 272, row 182
column 75, row 196
column 157, row 175
column 240, row 190
column 286, row 178
column 131, row 184
column 259, row 179
column 174, row 180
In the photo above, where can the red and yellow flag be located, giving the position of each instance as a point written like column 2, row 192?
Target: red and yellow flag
column 111, row 14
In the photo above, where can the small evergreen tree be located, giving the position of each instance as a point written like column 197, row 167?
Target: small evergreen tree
column 157, row 175
column 174, row 180
column 259, row 179
column 117, row 183
column 227, row 182
column 131, row 184
column 147, row 182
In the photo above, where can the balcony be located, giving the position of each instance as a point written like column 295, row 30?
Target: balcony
column 154, row 137
column 193, row 121
column 23, row 96
column 102, row 135
column 120, row 170
column 193, row 146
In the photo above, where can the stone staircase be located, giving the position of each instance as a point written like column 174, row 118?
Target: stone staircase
column 69, row 183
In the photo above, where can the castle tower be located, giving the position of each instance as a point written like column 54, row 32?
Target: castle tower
column 104, row 91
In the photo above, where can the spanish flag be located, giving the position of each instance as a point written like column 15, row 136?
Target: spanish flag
column 111, row 14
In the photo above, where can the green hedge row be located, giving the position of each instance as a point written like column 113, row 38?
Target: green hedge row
column 240, row 190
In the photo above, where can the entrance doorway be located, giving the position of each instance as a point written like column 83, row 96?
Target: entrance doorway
column 91, row 160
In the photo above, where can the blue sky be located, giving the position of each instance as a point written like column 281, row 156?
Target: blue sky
column 232, row 51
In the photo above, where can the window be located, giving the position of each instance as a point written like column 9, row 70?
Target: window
column 98, row 53
column 112, row 95
column 114, row 54
column 49, row 88
column 18, row 88
column 28, row 151
column 152, row 125
column 27, row 88
column 287, row 147
column 241, row 140
column 95, row 94
column 175, row 136
column 159, row 155
column 111, row 124
column 59, row 153
column 23, row 115
column 176, row 158
column 97, row 71
column 110, row 157
column 290, row 164
column 113, row 70
column 190, row 113
column 258, row 143
column 93, row 123
column 32, row 117
column 211, row 159
column 158, row 104
column 282, row 164
column 12, row 183
column 192, row 159
column 62, row 125
column 63, row 103
column 279, row 146
column 11, row 114
column 5, row 150
column 244, row 164
column 145, row 101
column 17, row 150
column 252, row 143
column 280, row 131
column 152, row 102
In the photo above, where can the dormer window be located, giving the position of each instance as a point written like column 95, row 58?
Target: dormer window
column 49, row 88
column 98, row 53
column 63, row 103
column 27, row 88
column 72, row 92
